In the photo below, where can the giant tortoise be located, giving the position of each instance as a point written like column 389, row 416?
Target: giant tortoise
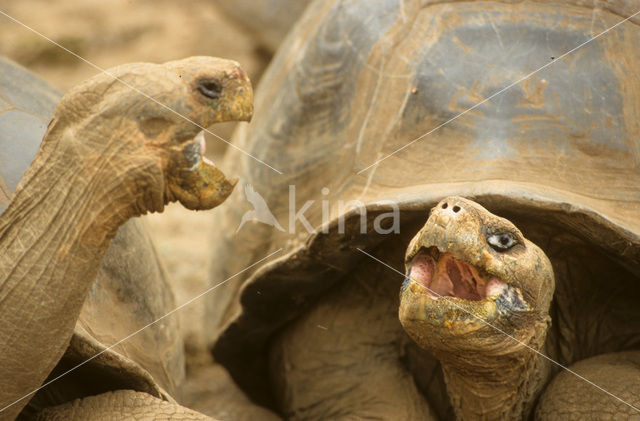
column 342, row 112
column 109, row 154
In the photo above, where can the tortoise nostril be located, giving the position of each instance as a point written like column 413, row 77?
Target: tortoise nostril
column 456, row 209
column 444, row 206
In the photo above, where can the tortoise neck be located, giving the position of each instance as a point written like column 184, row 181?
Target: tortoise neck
column 498, row 387
column 70, row 200
column 53, row 236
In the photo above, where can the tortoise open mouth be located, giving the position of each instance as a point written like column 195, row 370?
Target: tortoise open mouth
column 194, row 151
column 443, row 276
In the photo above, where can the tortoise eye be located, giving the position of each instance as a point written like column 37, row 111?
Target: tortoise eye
column 210, row 88
column 502, row 241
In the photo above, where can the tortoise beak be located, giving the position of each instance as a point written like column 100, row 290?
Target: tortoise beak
column 237, row 103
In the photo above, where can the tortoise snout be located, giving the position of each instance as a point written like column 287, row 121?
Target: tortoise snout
column 448, row 211
column 453, row 224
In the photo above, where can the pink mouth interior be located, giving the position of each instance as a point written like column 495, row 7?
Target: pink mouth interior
column 449, row 277
column 203, row 147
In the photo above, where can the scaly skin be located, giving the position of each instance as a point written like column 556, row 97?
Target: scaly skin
column 340, row 361
column 570, row 398
column 489, row 375
column 109, row 154
column 120, row 404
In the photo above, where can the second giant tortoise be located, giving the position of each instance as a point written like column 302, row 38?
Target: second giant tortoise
column 46, row 274
column 315, row 334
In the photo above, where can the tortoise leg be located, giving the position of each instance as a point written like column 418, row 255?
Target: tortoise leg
column 120, row 404
column 341, row 360
column 570, row 398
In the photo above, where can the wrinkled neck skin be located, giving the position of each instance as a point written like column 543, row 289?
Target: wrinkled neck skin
column 501, row 383
column 53, row 236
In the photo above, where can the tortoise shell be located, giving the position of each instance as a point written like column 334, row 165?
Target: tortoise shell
column 268, row 21
column 508, row 104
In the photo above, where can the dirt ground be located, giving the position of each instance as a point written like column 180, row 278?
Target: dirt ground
column 109, row 33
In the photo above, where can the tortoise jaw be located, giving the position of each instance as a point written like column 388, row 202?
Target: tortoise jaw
column 454, row 291
column 198, row 183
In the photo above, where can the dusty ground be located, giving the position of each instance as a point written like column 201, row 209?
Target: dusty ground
column 108, row 33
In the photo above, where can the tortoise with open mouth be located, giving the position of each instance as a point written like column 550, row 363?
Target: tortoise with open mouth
column 477, row 295
column 121, row 144
column 400, row 108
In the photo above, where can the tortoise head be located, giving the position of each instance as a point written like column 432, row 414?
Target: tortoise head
column 471, row 278
column 141, row 123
